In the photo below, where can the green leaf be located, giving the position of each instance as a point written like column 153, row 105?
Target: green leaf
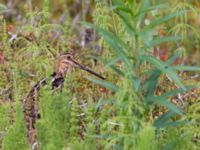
column 126, row 20
column 113, row 61
column 159, row 41
column 164, row 102
column 163, row 19
column 171, row 124
column 117, row 44
column 176, row 91
column 151, row 83
column 165, row 68
column 104, row 102
column 144, row 5
column 142, row 11
column 118, row 5
column 185, row 68
column 118, row 71
column 136, row 83
column 162, row 99
column 159, row 6
column 172, row 59
column 126, row 16
column 147, row 37
column 105, row 84
column 163, row 118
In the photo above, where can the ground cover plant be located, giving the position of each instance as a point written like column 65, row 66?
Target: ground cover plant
column 142, row 89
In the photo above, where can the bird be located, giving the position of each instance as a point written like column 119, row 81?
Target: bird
column 66, row 63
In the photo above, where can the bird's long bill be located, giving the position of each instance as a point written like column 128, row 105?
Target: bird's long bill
column 88, row 70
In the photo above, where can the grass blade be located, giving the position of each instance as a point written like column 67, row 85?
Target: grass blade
column 163, row 19
column 185, row 68
column 151, row 83
column 164, row 102
column 165, row 68
column 105, row 84
column 116, row 44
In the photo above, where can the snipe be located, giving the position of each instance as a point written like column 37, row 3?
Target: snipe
column 30, row 104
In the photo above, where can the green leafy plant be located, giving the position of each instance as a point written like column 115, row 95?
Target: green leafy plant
column 134, row 105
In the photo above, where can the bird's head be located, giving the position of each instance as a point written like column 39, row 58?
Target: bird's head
column 67, row 61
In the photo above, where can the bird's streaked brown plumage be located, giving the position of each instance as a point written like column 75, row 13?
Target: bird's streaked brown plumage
column 30, row 104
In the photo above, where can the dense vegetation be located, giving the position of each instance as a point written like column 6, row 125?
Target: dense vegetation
column 148, row 51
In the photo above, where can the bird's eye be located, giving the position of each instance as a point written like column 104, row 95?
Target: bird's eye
column 68, row 57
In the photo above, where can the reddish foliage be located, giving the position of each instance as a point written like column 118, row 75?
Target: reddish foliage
column 178, row 61
column 104, row 90
column 2, row 58
column 161, row 52
column 164, row 55
column 10, row 28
